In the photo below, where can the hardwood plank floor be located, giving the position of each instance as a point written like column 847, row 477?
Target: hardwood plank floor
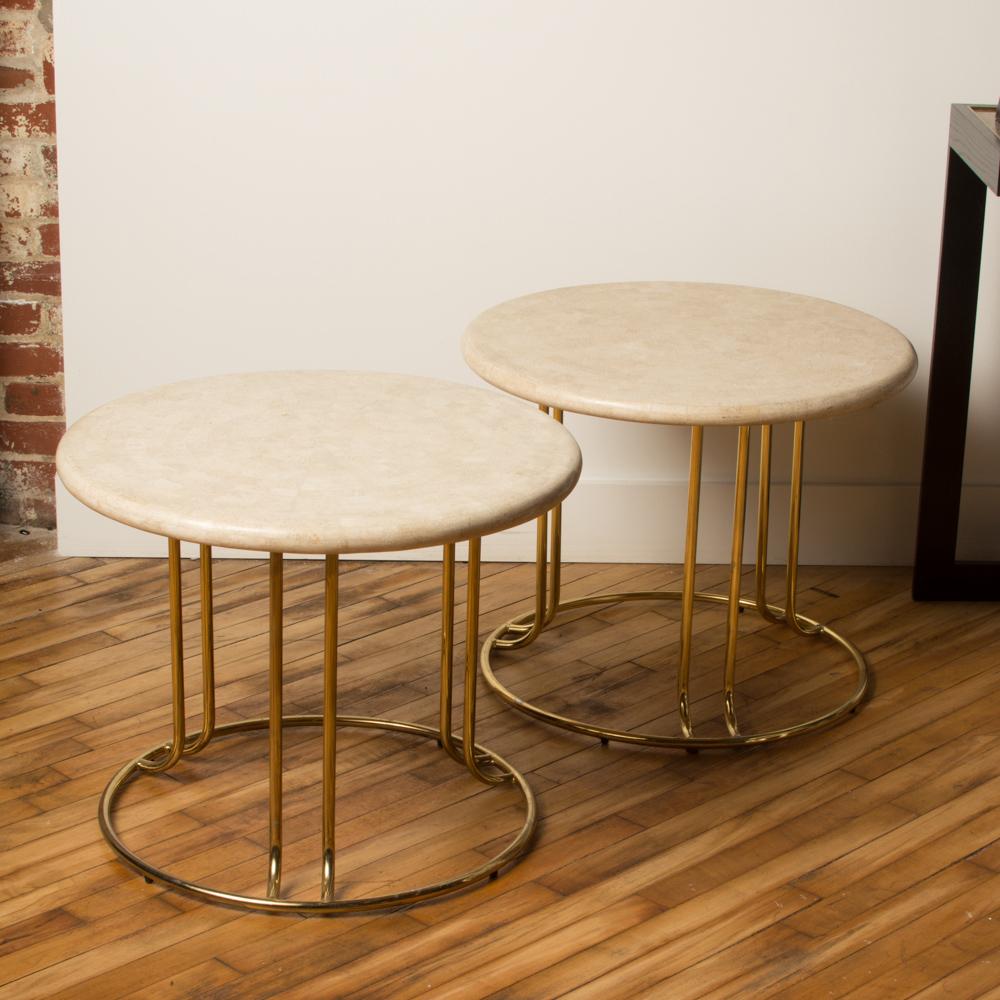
column 861, row 862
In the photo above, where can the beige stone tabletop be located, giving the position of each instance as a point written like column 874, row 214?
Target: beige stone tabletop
column 687, row 353
column 319, row 462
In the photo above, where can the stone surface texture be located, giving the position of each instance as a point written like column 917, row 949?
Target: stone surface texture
column 319, row 461
column 688, row 353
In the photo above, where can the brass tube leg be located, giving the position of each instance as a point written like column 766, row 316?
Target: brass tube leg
column 690, row 564
column 547, row 581
column 794, row 520
column 555, row 547
column 173, row 750
column 541, row 579
column 471, row 656
column 525, row 635
column 330, row 614
column 447, row 649
column 555, row 567
column 763, row 517
column 473, row 760
column 207, row 654
column 276, row 581
column 735, row 576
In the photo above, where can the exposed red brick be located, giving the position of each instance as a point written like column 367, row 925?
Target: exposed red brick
column 16, row 159
column 49, row 161
column 29, row 510
column 39, row 512
column 17, row 241
column 28, row 244
column 26, row 197
column 30, row 437
column 11, row 76
column 24, row 120
column 21, row 198
column 30, row 277
column 25, row 360
column 19, row 319
column 33, row 399
column 50, row 238
column 15, row 38
column 52, row 322
column 28, row 477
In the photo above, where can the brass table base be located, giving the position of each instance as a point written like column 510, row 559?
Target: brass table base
column 484, row 765
column 488, row 869
column 606, row 734
column 523, row 630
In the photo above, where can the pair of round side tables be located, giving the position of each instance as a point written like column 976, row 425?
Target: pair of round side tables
column 335, row 463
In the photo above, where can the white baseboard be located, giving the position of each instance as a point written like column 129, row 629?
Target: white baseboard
column 643, row 521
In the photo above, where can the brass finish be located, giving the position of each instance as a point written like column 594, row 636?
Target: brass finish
column 471, row 649
column 555, row 568
column 485, row 765
column 763, row 516
column 524, row 635
column 447, row 650
column 207, row 654
column 330, row 616
column 690, row 742
column 546, row 599
column 788, row 615
column 274, row 670
column 164, row 757
column 735, row 576
column 474, row 758
column 690, row 565
column 794, row 523
column 482, row 872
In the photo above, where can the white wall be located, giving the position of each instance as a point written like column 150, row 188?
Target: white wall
column 345, row 184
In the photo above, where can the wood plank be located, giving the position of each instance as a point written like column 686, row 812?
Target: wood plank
column 859, row 861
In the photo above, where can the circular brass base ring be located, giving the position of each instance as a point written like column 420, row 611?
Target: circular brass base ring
column 486, row 870
column 518, row 626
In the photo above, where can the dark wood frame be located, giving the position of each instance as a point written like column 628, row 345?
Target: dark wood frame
column 973, row 166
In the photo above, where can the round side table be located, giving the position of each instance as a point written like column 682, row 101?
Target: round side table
column 696, row 355
column 328, row 463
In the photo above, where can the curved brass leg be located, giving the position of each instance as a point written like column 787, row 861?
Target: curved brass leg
column 763, row 516
column 164, row 757
column 555, row 546
column 735, row 576
column 331, row 578
column 447, row 738
column 792, row 619
column 207, row 655
column 524, row 635
column 555, row 569
column 473, row 760
column 276, row 580
column 787, row 615
column 687, row 595
column 546, row 599
column 448, row 651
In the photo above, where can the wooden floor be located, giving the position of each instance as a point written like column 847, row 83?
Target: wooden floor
column 859, row 862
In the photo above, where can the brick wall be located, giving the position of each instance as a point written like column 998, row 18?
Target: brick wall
column 31, row 394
